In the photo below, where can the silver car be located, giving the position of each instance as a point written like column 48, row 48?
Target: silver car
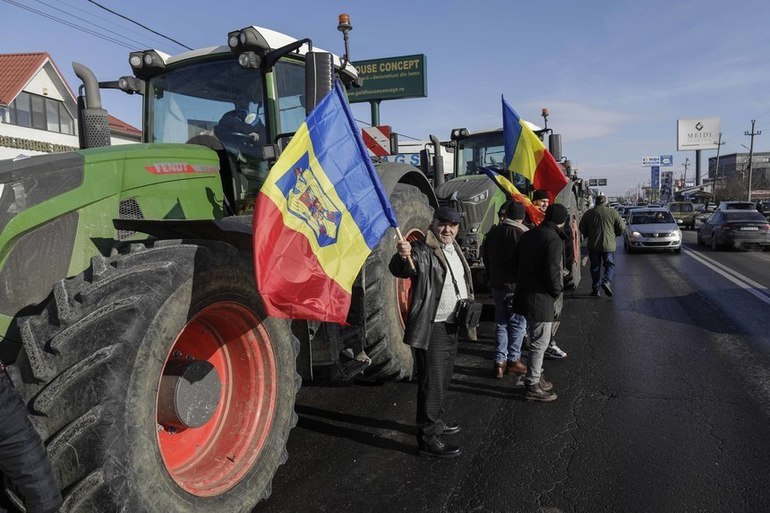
column 652, row 229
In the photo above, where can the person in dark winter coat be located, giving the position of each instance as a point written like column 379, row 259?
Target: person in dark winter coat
column 439, row 277
column 23, row 458
column 539, row 282
column 498, row 254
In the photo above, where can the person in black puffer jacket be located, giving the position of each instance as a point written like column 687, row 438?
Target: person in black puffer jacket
column 539, row 282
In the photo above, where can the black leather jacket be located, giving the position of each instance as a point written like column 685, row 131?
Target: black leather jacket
column 427, row 284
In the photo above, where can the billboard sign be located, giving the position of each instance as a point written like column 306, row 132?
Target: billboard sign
column 666, row 160
column 390, row 79
column 650, row 161
column 655, row 177
column 697, row 133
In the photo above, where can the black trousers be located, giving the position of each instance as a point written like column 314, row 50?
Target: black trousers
column 434, row 372
column 23, row 458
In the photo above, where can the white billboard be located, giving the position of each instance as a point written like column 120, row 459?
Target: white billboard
column 697, row 133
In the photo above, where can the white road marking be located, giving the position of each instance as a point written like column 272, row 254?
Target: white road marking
column 747, row 284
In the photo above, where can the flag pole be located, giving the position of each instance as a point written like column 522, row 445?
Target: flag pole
column 401, row 236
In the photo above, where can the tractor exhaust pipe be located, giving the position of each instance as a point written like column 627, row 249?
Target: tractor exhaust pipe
column 93, row 123
column 438, row 162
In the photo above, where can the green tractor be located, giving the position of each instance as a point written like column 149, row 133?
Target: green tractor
column 478, row 198
column 129, row 316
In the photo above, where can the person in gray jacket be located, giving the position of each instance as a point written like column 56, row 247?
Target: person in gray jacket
column 439, row 277
column 601, row 225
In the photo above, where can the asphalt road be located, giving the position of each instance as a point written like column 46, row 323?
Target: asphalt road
column 664, row 405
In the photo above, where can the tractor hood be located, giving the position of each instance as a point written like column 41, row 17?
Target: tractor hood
column 470, row 189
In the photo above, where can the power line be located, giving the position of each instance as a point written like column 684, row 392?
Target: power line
column 137, row 23
column 114, row 24
column 69, row 24
column 68, row 14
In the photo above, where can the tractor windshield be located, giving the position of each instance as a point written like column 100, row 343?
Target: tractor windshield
column 209, row 99
column 477, row 151
column 486, row 150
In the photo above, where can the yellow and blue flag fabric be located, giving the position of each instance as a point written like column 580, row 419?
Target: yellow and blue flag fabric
column 318, row 216
column 535, row 214
column 526, row 155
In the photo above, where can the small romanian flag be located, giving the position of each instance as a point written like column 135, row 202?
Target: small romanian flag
column 318, row 216
column 535, row 214
column 526, row 155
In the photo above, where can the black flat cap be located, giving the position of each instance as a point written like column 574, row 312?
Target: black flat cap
column 447, row 214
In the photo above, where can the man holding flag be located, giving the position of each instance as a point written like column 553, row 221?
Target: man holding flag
column 439, row 277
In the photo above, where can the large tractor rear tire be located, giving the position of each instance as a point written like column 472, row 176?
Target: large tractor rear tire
column 387, row 298
column 159, row 384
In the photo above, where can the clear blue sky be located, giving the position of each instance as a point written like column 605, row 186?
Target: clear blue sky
column 615, row 74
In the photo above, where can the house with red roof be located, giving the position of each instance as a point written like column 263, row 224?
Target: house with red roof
column 38, row 110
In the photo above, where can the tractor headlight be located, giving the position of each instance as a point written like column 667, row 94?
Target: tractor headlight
column 146, row 64
column 478, row 198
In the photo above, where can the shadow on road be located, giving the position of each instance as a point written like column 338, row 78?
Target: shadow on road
column 330, row 421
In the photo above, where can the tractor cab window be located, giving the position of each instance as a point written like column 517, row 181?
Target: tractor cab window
column 486, row 150
column 209, row 102
column 290, row 86
column 481, row 151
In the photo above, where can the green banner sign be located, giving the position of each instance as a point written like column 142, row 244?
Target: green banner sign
column 390, row 79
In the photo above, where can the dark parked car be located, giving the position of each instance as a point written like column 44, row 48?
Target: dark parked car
column 736, row 205
column 737, row 228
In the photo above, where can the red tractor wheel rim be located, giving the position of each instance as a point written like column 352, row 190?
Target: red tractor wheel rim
column 211, row 459
column 404, row 287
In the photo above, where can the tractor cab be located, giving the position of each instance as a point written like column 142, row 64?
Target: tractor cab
column 471, row 193
column 244, row 100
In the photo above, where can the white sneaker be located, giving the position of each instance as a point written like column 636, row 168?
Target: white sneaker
column 553, row 352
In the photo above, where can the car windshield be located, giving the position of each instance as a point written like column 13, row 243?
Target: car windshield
column 651, row 218
column 744, row 215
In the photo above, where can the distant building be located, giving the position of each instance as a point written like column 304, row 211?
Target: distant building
column 733, row 174
column 38, row 110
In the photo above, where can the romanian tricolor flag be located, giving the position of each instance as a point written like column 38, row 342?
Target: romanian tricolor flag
column 526, row 155
column 319, row 214
column 535, row 214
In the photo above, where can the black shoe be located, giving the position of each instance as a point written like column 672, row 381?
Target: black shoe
column 436, row 447
column 595, row 293
column 536, row 393
column 607, row 288
column 451, row 429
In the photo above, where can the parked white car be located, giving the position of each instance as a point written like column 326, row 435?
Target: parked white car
column 652, row 229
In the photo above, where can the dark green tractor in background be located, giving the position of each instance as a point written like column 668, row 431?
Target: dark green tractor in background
column 478, row 198
column 128, row 308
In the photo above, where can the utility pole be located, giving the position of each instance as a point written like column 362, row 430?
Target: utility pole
column 684, row 177
column 715, row 181
column 751, row 152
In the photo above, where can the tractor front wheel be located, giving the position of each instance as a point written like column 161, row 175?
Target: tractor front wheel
column 159, row 384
